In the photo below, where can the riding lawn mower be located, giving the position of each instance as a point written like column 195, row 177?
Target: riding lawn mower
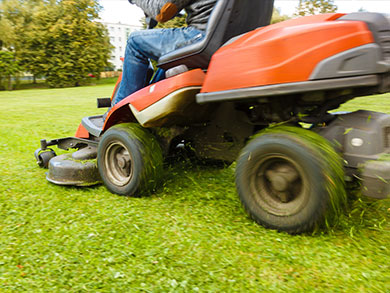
column 258, row 94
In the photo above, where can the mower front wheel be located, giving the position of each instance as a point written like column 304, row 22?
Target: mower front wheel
column 129, row 160
column 43, row 157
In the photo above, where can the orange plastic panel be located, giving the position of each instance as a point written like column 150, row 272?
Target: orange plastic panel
column 82, row 132
column 116, row 85
column 153, row 93
column 283, row 53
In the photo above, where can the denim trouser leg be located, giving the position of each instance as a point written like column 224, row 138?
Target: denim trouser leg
column 150, row 44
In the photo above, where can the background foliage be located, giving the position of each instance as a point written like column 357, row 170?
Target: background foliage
column 8, row 67
column 311, row 7
column 278, row 17
column 56, row 39
column 61, row 41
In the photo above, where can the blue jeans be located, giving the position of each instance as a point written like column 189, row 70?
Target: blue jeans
column 150, row 44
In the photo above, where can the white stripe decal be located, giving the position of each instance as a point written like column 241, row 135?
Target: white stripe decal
column 157, row 113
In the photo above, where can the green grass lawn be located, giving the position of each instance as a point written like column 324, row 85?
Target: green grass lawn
column 191, row 235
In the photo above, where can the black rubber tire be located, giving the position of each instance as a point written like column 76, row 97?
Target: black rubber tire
column 129, row 160
column 44, row 157
column 286, row 181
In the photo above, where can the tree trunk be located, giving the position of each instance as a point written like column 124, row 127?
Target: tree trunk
column 17, row 81
column 9, row 87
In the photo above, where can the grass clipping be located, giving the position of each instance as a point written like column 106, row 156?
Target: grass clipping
column 332, row 165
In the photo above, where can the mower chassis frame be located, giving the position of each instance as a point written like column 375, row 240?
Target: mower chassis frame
column 67, row 143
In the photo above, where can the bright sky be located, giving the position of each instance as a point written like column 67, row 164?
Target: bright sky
column 121, row 11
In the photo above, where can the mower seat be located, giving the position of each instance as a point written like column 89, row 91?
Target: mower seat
column 229, row 18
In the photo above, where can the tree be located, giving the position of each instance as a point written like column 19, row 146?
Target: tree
column 178, row 21
column 16, row 18
column 277, row 17
column 312, row 7
column 59, row 39
column 67, row 44
column 8, row 67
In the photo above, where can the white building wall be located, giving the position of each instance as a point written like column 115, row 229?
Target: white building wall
column 118, row 34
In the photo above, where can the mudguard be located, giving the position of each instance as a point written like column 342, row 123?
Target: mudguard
column 169, row 101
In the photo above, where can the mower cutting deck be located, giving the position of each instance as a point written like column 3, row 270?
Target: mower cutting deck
column 291, row 73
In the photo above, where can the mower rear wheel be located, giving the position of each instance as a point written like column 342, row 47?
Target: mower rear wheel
column 129, row 160
column 289, row 179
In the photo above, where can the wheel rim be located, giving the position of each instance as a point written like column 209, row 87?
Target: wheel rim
column 118, row 164
column 279, row 185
